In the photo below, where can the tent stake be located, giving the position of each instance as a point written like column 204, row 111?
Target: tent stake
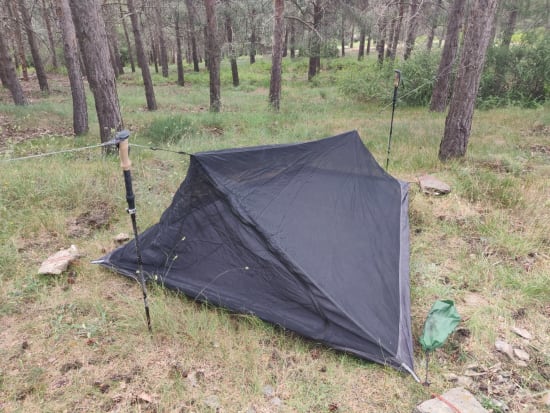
column 396, row 82
column 121, row 140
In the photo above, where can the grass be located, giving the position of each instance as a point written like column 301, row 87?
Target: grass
column 78, row 341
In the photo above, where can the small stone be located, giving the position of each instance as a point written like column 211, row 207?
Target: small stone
column 268, row 390
column 122, row 237
column 546, row 399
column 522, row 333
column 451, row 377
column 505, row 348
column 521, row 354
column 212, row 401
column 276, row 401
column 520, row 363
column 251, row 409
column 500, row 405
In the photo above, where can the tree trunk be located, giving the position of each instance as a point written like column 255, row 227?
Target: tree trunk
column 232, row 52
column 253, row 40
column 92, row 36
column 142, row 59
column 127, row 37
column 14, row 15
column 510, row 26
column 434, row 18
column 413, row 24
column 368, row 45
column 292, row 40
column 213, row 51
column 285, row 45
column 397, row 30
column 315, row 49
column 277, row 54
column 362, row 36
column 179, row 58
column 51, row 41
column 343, row 36
column 9, row 77
column 380, row 44
column 70, row 49
column 440, row 91
column 461, row 109
column 351, row 39
column 191, row 23
column 162, row 41
column 37, row 60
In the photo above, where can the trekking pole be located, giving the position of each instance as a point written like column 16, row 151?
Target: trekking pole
column 396, row 82
column 121, row 140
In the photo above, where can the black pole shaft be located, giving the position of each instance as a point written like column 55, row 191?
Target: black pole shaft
column 130, row 199
column 391, row 126
column 396, row 81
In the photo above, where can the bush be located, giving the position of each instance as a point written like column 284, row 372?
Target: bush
column 418, row 75
column 517, row 75
column 169, row 130
column 365, row 82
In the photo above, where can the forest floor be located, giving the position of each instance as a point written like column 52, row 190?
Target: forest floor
column 78, row 341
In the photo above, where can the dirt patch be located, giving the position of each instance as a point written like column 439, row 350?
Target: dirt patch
column 89, row 221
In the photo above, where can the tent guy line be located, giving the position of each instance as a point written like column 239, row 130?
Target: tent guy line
column 83, row 148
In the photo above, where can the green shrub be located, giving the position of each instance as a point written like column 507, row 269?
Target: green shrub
column 418, row 75
column 170, row 129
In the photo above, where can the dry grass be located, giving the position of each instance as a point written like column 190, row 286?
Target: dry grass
column 78, row 342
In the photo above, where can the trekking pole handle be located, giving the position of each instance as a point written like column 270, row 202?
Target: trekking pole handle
column 121, row 139
column 397, row 78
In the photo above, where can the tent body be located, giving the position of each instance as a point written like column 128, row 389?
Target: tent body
column 313, row 237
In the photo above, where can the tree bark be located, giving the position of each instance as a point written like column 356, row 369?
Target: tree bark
column 37, row 60
column 461, row 109
column 14, row 15
column 413, row 24
column 232, row 52
column 92, row 36
column 315, row 48
column 380, row 44
column 277, row 54
column 213, row 51
column 252, row 53
column 51, row 41
column 192, row 36
column 179, row 58
column 440, row 91
column 433, row 24
column 70, row 49
column 292, row 40
column 161, row 39
column 397, row 30
column 362, row 36
column 128, row 43
column 9, row 77
column 343, row 36
column 142, row 59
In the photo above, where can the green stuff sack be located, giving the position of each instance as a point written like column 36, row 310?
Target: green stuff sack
column 440, row 323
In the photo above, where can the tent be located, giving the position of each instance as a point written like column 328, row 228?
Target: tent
column 313, row 237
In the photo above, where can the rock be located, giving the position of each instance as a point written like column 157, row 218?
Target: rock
column 268, row 390
column 59, row 262
column 433, row 186
column 276, row 401
column 458, row 397
column 522, row 333
column 122, row 237
column 212, row 401
column 505, row 348
column 521, row 354
column 451, row 377
column 501, row 406
column 546, row 399
column 251, row 409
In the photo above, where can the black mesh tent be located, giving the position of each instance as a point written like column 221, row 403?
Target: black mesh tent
column 313, row 237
